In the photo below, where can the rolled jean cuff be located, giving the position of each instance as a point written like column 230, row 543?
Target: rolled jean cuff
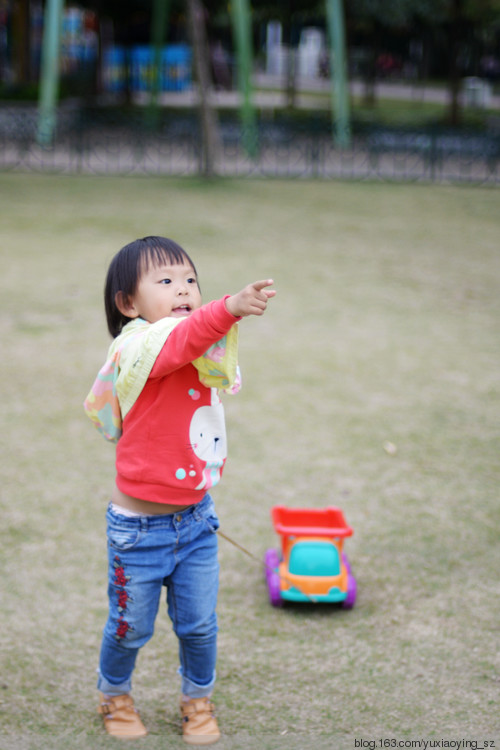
column 107, row 688
column 192, row 689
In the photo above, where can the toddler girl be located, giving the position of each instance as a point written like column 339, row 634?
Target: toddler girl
column 157, row 397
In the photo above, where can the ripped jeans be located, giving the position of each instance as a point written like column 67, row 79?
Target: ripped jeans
column 178, row 551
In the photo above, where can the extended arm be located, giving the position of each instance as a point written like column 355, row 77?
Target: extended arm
column 207, row 325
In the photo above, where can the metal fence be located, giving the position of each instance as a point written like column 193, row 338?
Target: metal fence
column 102, row 141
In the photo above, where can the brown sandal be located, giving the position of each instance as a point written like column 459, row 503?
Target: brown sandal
column 121, row 718
column 199, row 725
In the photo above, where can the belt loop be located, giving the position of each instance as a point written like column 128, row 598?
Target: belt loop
column 144, row 523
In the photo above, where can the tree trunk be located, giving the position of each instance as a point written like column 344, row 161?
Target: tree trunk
column 370, row 71
column 455, row 30
column 21, row 35
column 291, row 60
column 208, row 115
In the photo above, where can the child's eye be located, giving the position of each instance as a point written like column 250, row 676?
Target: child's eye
column 165, row 281
column 192, row 281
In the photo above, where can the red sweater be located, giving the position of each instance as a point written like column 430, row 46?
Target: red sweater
column 173, row 446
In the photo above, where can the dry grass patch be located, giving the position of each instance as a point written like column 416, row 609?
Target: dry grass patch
column 385, row 329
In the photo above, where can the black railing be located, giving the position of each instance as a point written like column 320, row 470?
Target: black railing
column 102, row 141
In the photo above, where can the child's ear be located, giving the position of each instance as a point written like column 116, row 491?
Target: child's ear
column 125, row 305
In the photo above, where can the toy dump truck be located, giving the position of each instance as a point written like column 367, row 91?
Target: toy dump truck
column 311, row 566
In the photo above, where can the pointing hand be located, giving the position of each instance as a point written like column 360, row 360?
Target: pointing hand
column 252, row 300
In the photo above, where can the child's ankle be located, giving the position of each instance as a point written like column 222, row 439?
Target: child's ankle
column 187, row 698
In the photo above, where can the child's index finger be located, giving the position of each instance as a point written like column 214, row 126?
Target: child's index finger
column 259, row 285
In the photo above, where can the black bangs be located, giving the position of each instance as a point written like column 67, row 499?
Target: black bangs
column 158, row 250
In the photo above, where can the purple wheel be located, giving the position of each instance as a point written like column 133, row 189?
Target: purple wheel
column 346, row 562
column 271, row 562
column 350, row 599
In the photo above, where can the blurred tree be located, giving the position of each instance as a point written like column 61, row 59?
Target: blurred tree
column 293, row 15
column 20, row 40
column 454, row 16
column 374, row 17
column 208, row 113
column 457, row 16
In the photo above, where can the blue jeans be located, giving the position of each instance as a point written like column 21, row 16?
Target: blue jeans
column 178, row 551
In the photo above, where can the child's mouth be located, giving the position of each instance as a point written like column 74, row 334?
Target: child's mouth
column 181, row 310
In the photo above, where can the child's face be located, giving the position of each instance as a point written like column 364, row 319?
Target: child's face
column 165, row 291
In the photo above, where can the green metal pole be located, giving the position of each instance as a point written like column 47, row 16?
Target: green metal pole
column 158, row 34
column 338, row 73
column 49, row 74
column 243, row 41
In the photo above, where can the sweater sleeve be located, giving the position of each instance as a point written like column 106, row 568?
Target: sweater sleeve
column 190, row 340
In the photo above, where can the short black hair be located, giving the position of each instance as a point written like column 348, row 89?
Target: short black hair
column 127, row 267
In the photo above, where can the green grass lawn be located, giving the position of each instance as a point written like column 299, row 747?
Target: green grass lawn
column 385, row 329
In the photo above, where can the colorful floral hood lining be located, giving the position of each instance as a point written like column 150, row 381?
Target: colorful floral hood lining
column 130, row 360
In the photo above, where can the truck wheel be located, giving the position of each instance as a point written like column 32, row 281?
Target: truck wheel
column 350, row 599
column 346, row 562
column 271, row 562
